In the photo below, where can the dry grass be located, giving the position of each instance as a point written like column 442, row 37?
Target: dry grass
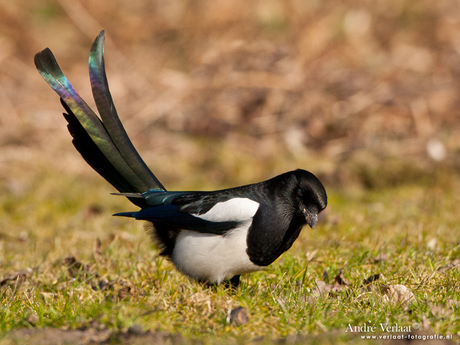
column 66, row 264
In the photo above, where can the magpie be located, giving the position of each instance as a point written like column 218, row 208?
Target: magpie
column 210, row 236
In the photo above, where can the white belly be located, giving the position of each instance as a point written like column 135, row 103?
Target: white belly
column 213, row 257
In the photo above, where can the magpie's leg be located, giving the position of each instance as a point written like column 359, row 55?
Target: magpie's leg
column 232, row 283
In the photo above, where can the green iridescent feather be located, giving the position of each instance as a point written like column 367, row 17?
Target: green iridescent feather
column 108, row 135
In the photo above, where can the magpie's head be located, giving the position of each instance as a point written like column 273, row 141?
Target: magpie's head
column 310, row 196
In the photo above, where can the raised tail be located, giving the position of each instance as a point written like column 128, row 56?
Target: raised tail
column 103, row 144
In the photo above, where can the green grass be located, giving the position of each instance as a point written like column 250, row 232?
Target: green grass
column 407, row 233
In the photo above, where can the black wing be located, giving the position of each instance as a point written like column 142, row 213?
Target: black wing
column 172, row 217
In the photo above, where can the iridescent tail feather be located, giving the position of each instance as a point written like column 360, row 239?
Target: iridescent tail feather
column 104, row 143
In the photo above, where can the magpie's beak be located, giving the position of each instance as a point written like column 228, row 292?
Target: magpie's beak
column 312, row 221
column 310, row 217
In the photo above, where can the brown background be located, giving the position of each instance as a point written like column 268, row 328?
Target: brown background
column 346, row 89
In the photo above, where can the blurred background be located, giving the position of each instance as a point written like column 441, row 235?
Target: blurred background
column 218, row 93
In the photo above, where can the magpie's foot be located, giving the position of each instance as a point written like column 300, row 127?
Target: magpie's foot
column 232, row 283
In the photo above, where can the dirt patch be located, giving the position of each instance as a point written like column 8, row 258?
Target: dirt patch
column 51, row 336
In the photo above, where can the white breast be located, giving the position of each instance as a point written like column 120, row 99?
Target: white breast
column 214, row 257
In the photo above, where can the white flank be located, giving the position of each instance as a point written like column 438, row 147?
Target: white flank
column 236, row 209
column 217, row 257
column 213, row 257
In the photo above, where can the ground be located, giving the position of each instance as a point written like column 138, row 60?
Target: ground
column 224, row 93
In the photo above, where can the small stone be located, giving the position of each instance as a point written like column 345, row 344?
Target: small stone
column 239, row 316
column 136, row 330
column 398, row 294
column 321, row 288
column 33, row 319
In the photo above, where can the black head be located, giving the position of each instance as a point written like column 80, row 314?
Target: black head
column 310, row 196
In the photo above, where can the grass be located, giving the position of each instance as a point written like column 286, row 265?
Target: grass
column 181, row 70
column 408, row 234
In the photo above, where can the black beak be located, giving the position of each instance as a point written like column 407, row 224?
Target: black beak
column 312, row 221
column 310, row 217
